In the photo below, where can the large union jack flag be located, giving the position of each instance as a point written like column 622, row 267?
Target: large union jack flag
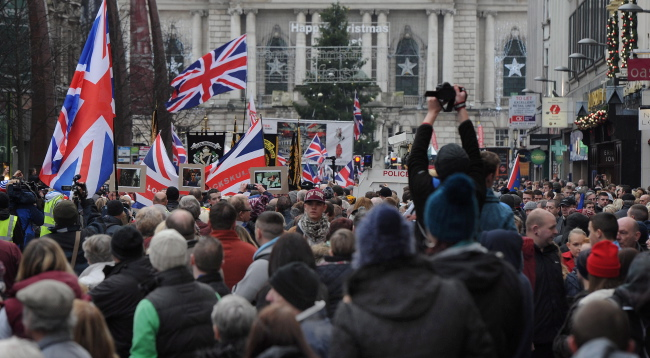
column 358, row 119
column 82, row 142
column 232, row 169
column 218, row 71
column 178, row 150
column 161, row 173
column 345, row 177
column 316, row 151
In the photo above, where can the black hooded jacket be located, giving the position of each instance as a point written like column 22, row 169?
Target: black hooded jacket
column 634, row 298
column 496, row 289
column 403, row 309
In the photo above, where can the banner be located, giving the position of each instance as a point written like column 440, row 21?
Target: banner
column 555, row 111
column 271, row 149
column 522, row 111
column 204, row 149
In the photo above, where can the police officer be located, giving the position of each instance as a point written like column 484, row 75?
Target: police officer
column 51, row 199
column 10, row 229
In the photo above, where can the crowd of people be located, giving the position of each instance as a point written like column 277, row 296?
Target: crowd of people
column 459, row 266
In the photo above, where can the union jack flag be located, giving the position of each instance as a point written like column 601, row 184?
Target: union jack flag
column 316, row 151
column 161, row 173
column 218, row 71
column 3, row 185
column 358, row 119
column 345, row 177
column 178, row 150
column 282, row 161
column 252, row 112
column 232, row 169
column 309, row 174
column 82, row 142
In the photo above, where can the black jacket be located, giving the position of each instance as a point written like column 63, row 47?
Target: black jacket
column 112, row 224
column 215, row 281
column 495, row 287
column 421, row 182
column 333, row 274
column 402, row 308
column 118, row 296
column 549, row 295
column 184, row 307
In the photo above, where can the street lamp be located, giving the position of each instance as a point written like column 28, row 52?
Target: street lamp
column 591, row 42
column 526, row 90
column 564, row 69
column 629, row 7
column 579, row 56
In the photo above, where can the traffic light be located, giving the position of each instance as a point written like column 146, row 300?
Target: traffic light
column 357, row 160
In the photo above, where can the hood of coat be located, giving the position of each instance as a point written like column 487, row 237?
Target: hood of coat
column 4, row 214
column 471, row 264
column 398, row 290
column 508, row 243
column 636, row 289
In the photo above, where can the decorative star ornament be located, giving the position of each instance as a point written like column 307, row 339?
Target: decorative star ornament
column 407, row 67
column 173, row 67
column 515, row 68
column 276, row 66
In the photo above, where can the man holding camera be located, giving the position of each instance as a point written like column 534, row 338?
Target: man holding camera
column 451, row 158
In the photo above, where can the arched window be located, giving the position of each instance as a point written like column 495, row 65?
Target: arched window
column 407, row 65
column 276, row 78
column 514, row 65
column 174, row 54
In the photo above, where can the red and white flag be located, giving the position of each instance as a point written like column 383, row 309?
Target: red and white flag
column 161, row 173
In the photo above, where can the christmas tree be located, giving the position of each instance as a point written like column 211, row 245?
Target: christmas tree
column 329, row 88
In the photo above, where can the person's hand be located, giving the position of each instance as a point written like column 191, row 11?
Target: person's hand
column 18, row 174
column 434, row 109
column 260, row 187
column 461, row 96
column 242, row 187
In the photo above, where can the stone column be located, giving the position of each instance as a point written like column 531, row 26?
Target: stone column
column 448, row 47
column 489, row 77
column 432, row 50
column 315, row 36
column 235, row 31
column 197, row 34
column 301, row 49
column 382, row 52
column 366, row 43
column 251, row 43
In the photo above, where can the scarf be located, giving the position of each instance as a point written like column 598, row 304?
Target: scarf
column 315, row 231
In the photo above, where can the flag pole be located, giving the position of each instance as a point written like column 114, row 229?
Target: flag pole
column 115, row 162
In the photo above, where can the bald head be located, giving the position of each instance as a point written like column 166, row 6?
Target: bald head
column 182, row 221
column 160, row 198
column 600, row 319
column 540, row 226
column 628, row 232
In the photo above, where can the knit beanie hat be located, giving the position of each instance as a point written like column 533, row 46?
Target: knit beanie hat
column 531, row 205
column 168, row 249
column 383, row 235
column 297, row 283
column 603, row 261
column 508, row 200
column 114, row 208
column 451, row 159
column 451, row 212
column 581, row 263
column 65, row 213
column 126, row 243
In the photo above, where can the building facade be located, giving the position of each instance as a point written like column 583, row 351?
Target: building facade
column 409, row 47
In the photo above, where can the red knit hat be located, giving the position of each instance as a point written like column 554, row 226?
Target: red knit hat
column 603, row 261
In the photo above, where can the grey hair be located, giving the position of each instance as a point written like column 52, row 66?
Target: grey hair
column 301, row 195
column 97, row 248
column 15, row 347
column 190, row 204
column 233, row 316
column 34, row 322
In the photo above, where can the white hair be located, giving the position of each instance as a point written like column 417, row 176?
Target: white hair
column 15, row 347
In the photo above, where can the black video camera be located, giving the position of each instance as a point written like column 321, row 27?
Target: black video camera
column 78, row 190
column 251, row 187
column 445, row 94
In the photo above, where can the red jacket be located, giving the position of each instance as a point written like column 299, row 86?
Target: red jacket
column 10, row 256
column 237, row 256
column 567, row 260
column 14, row 308
column 528, row 250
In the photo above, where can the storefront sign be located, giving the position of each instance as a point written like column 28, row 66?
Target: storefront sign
column 644, row 119
column 555, row 112
column 539, row 139
column 597, row 98
column 538, row 156
column 522, row 111
column 638, row 69
column 606, row 154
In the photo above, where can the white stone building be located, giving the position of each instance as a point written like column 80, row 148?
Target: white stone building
column 410, row 46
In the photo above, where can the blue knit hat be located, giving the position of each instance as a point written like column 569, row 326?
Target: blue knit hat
column 451, row 212
column 382, row 236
